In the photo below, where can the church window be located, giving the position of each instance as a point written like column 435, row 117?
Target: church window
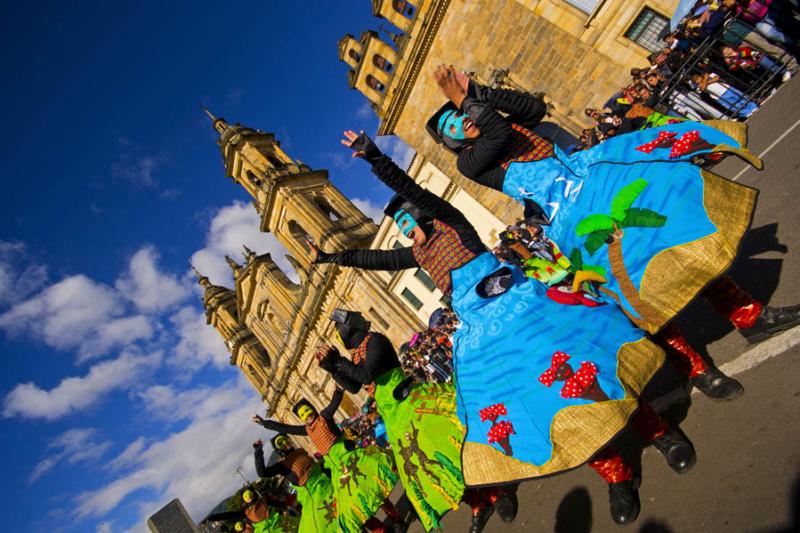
column 382, row 63
column 327, row 209
column 404, row 7
column 355, row 56
column 300, row 234
column 411, row 298
column 275, row 161
column 376, row 317
column 255, row 375
column 255, row 180
column 373, row 83
column 425, row 279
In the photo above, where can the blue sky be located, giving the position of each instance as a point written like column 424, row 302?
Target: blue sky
column 115, row 396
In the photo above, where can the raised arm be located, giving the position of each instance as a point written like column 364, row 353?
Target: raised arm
column 366, row 259
column 281, row 427
column 336, row 400
column 522, row 108
column 277, row 469
column 327, row 356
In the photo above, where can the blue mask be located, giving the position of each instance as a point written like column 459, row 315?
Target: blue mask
column 405, row 222
column 452, row 125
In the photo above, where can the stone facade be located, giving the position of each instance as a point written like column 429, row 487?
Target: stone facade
column 578, row 56
column 271, row 325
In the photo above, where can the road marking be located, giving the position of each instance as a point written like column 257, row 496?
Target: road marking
column 762, row 352
column 768, row 148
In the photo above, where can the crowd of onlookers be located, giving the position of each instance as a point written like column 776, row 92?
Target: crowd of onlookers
column 722, row 61
column 427, row 357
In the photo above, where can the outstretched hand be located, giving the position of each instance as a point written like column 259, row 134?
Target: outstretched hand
column 258, row 443
column 323, row 352
column 258, row 419
column 349, row 139
column 312, row 248
column 451, row 83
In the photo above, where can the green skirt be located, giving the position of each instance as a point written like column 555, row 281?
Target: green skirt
column 319, row 508
column 362, row 479
column 425, row 429
column 277, row 523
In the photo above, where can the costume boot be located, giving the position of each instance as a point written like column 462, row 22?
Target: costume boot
column 755, row 321
column 623, row 501
column 506, row 504
column 671, row 443
column 480, row 515
column 706, row 378
column 623, row 496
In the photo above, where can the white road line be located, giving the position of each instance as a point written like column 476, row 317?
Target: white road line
column 768, row 148
column 761, row 352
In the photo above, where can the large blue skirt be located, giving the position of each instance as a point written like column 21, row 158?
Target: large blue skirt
column 517, row 426
column 695, row 218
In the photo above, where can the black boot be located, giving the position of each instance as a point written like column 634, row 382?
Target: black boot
column 506, row 506
column 676, row 449
column 716, row 385
column 480, row 518
column 623, row 501
column 770, row 321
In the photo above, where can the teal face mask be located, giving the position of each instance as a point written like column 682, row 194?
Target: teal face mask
column 452, row 125
column 405, row 222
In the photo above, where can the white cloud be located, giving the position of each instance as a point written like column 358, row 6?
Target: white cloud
column 232, row 227
column 128, row 455
column 197, row 464
column 118, row 332
column 19, row 277
column 77, row 445
column 65, row 314
column 199, row 343
column 27, row 400
column 396, row 149
column 370, row 209
column 166, row 403
column 365, row 111
column 146, row 286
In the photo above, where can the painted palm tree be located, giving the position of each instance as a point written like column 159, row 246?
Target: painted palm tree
column 602, row 229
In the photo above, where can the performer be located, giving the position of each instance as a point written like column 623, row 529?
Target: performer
column 259, row 514
column 429, row 461
column 362, row 478
column 311, row 481
column 681, row 225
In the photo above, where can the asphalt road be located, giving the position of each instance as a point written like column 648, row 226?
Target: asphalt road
column 747, row 477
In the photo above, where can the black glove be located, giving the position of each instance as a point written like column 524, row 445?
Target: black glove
column 331, row 362
column 364, row 144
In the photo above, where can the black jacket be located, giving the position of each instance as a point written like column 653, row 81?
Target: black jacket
column 380, row 358
column 481, row 161
column 433, row 206
column 300, row 429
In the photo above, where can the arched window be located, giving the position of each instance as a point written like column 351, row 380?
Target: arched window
column 255, row 180
column 297, row 231
column 382, row 63
column 404, row 7
column 326, row 208
column 355, row 56
column 275, row 161
column 373, row 83
column 255, row 375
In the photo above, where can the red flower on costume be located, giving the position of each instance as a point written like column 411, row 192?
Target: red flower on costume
column 664, row 140
column 580, row 381
column 549, row 375
column 688, row 144
column 500, row 432
column 581, row 384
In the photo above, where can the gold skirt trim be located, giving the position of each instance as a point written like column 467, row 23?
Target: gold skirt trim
column 577, row 432
column 675, row 276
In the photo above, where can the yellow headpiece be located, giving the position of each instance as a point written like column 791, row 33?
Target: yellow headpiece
column 247, row 496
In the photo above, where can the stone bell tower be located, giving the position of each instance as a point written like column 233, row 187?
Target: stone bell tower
column 246, row 351
column 294, row 201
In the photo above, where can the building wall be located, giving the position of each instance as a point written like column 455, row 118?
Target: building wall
column 578, row 58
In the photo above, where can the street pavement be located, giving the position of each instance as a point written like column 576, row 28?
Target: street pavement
column 747, row 477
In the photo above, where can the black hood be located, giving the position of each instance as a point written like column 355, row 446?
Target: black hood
column 432, row 127
column 352, row 327
column 398, row 202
